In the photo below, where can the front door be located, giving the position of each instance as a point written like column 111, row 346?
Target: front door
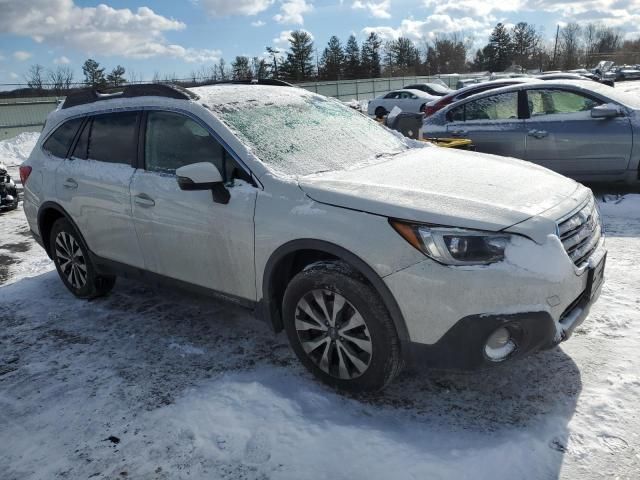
column 185, row 235
column 93, row 186
column 491, row 123
column 562, row 135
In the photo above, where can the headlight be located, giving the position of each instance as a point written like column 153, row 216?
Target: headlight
column 454, row 246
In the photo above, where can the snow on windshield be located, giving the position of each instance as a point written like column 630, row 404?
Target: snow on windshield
column 306, row 133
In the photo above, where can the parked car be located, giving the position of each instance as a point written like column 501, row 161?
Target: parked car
column 626, row 73
column 583, row 129
column 582, row 75
column 456, row 95
column 434, row 89
column 8, row 192
column 406, row 100
column 369, row 251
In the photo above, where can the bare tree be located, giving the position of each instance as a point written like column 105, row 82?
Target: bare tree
column 34, row 76
column 570, row 45
column 60, row 79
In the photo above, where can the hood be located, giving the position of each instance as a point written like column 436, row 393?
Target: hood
column 444, row 187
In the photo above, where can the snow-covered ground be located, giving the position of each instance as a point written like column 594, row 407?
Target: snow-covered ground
column 155, row 384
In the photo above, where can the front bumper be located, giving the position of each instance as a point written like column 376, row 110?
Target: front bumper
column 450, row 312
column 462, row 346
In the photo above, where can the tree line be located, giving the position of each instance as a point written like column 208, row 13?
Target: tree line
column 519, row 48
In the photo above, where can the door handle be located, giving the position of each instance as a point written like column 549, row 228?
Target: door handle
column 70, row 183
column 458, row 133
column 144, row 200
column 538, row 133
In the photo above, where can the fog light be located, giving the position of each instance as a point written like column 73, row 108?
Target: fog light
column 499, row 345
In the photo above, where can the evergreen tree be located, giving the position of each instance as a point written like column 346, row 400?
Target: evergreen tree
column 403, row 55
column 524, row 40
column 259, row 67
column 352, row 58
column 116, row 77
column 240, row 68
column 298, row 65
column 332, row 61
column 499, row 53
column 93, row 74
column 370, row 55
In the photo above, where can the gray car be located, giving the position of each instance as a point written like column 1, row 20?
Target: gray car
column 581, row 129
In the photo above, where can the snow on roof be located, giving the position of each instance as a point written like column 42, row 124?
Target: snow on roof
column 216, row 96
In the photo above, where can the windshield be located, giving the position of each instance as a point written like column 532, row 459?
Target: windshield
column 616, row 94
column 439, row 89
column 308, row 133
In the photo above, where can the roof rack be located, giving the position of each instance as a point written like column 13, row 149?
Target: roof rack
column 255, row 81
column 141, row 90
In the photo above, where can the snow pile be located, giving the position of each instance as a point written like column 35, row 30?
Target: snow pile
column 16, row 150
column 627, row 206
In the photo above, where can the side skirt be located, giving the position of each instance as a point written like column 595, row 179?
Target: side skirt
column 110, row 267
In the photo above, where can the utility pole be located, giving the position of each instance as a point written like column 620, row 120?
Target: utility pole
column 555, row 47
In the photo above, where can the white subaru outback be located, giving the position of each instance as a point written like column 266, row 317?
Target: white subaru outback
column 370, row 251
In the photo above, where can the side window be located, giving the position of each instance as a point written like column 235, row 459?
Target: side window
column 174, row 140
column 112, row 138
column 456, row 114
column 392, row 95
column 503, row 106
column 59, row 142
column 551, row 102
column 82, row 145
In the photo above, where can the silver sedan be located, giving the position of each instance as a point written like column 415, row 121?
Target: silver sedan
column 581, row 129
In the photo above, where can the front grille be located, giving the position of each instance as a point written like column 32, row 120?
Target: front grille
column 580, row 233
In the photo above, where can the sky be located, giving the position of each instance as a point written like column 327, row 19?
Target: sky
column 180, row 36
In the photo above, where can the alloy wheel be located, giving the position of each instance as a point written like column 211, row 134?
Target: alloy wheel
column 333, row 334
column 71, row 260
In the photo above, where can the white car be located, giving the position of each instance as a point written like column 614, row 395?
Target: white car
column 406, row 100
column 370, row 251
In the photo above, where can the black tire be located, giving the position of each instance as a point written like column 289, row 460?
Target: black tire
column 381, row 112
column 423, row 107
column 79, row 274
column 337, row 278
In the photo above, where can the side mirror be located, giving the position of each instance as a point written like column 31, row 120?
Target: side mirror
column 203, row 176
column 608, row 110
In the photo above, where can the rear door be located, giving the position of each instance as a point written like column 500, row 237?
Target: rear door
column 93, row 185
column 562, row 135
column 492, row 123
column 185, row 235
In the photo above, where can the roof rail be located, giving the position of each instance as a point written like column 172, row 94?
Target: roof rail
column 129, row 91
column 255, row 81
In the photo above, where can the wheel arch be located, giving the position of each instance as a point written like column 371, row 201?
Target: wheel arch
column 48, row 213
column 280, row 268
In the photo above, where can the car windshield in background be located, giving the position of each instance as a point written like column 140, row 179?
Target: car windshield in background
column 617, row 94
column 306, row 134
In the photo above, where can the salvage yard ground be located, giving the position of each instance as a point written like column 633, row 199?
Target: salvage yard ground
column 156, row 384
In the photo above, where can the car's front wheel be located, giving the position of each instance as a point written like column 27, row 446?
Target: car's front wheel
column 339, row 328
column 73, row 263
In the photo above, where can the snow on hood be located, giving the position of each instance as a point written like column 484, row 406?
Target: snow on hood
column 445, row 187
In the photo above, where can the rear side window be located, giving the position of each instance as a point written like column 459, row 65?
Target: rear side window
column 110, row 137
column 59, row 142
column 503, row 106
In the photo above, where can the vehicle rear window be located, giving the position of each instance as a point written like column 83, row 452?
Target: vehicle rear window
column 59, row 142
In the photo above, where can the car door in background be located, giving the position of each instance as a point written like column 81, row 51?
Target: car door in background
column 185, row 235
column 492, row 123
column 93, row 185
column 563, row 136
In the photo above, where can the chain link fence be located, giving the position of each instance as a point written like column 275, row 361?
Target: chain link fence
column 19, row 113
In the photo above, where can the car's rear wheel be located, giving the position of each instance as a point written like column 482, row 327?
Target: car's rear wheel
column 339, row 328
column 380, row 112
column 73, row 263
